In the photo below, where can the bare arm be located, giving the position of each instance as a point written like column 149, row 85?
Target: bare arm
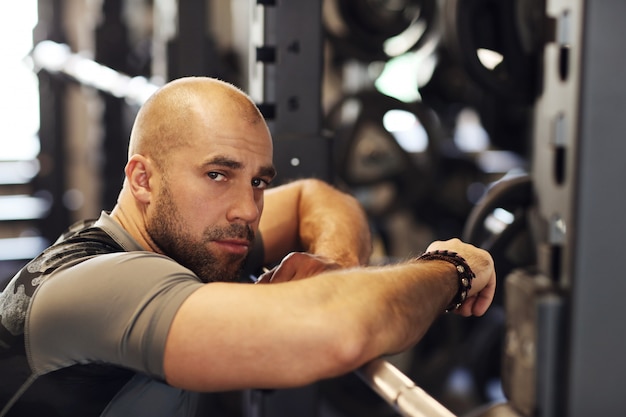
column 328, row 222
column 234, row 336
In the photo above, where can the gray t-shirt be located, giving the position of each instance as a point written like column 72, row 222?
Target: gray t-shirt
column 94, row 328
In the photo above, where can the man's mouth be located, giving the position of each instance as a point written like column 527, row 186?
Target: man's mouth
column 234, row 246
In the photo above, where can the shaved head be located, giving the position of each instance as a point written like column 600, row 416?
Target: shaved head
column 199, row 159
column 163, row 122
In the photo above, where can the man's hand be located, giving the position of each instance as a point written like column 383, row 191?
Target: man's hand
column 483, row 285
column 298, row 265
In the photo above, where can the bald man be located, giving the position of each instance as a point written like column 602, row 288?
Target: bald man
column 136, row 312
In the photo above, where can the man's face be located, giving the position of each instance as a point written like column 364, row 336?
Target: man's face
column 206, row 211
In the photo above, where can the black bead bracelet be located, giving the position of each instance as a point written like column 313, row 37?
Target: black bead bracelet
column 463, row 270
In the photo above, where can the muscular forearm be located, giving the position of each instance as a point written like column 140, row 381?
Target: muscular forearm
column 327, row 222
column 340, row 234
column 299, row 332
column 395, row 305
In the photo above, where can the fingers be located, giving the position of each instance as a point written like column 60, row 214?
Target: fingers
column 476, row 305
column 297, row 265
column 483, row 285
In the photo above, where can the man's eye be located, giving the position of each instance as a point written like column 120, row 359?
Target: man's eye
column 216, row 176
column 260, row 183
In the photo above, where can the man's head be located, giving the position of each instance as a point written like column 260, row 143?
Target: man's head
column 200, row 156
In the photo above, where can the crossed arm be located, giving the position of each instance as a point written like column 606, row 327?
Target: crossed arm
column 312, row 216
column 294, row 332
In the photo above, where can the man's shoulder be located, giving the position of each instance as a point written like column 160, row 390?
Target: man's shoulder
column 80, row 242
column 75, row 246
column 75, row 228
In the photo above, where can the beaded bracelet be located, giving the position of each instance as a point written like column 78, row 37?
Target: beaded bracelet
column 463, row 270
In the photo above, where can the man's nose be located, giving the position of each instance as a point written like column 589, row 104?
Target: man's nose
column 246, row 206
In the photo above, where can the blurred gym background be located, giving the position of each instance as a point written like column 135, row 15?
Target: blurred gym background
column 398, row 120
column 416, row 107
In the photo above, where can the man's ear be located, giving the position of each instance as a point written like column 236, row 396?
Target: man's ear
column 139, row 171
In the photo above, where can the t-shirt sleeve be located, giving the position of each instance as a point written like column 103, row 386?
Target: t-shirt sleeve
column 114, row 308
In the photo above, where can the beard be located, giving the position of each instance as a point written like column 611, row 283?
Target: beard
column 171, row 235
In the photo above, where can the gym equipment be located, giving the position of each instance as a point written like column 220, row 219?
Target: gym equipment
column 377, row 30
column 57, row 58
column 500, row 224
column 285, row 73
column 578, row 167
column 400, row 391
column 503, row 89
column 368, row 152
column 563, row 354
column 450, row 88
column 508, row 28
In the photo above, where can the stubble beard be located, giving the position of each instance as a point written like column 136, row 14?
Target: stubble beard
column 170, row 234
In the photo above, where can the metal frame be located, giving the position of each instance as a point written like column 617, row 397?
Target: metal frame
column 399, row 391
column 597, row 342
column 573, row 366
column 285, row 77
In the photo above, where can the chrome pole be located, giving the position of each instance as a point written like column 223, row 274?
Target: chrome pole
column 400, row 391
